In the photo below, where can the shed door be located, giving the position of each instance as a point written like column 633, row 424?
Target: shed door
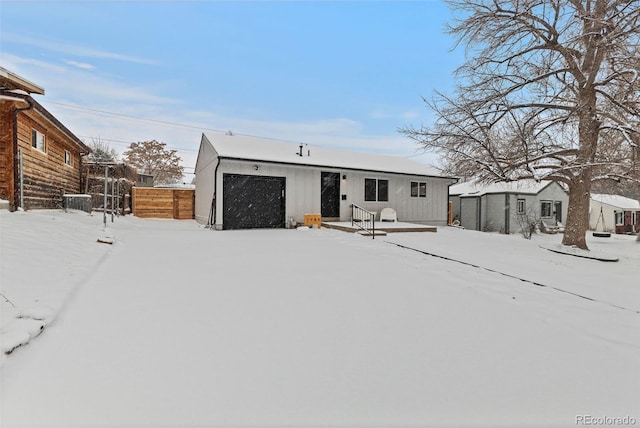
column 251, row 201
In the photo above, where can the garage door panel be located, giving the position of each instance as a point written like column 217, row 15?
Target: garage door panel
column 252, row 201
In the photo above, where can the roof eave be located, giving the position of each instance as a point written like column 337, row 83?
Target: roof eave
column 21, row 82
column 310, row 165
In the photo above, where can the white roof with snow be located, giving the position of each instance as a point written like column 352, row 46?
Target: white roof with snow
column 474, row 188
column 268, row 150
column 616, row 201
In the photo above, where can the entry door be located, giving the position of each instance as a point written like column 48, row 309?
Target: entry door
column 330, row 199
column 558, row 208
column 251, row 201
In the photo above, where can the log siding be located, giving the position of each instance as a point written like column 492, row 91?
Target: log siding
column 46, row 175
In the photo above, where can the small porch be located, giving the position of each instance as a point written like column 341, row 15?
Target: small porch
column 380, row 226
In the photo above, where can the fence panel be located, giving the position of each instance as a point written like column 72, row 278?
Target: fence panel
column 163, row 203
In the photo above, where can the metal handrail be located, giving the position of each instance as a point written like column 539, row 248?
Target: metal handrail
column 363, row 219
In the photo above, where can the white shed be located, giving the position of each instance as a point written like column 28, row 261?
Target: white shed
column 247, row 182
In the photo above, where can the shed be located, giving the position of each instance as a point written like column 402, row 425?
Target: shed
column 505, row 206
column 247, row 182
column 619, row 214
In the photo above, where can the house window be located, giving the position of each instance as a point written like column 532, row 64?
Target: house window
column 522, row 206
column 418, row 189
column 37, row 140
column 67, row 157
column 619, row 218
column 376, row 190
column 546, row 209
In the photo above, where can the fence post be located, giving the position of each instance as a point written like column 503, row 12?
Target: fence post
column 104, row 203
column 113, row 197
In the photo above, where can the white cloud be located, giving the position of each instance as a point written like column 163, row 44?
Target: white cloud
column 82, row 65
column 69, row 86
column 77, row 85
column 75, row 50
column 390, row 113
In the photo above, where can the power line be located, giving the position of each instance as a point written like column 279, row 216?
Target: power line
column 129, row 142
column 182, row 125
column 130, row 117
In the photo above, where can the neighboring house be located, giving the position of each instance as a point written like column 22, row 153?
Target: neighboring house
column 30, row 136
column 247, row 182
column 504, row 207
column 619, row 214
column 145, row 180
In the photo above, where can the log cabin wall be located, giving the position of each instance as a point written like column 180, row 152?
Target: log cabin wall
column 47, row 173
column 6, row 153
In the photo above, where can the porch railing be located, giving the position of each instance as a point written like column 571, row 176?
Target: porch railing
column 363, row 219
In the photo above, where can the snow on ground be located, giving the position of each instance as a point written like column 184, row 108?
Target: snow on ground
column 177, row 326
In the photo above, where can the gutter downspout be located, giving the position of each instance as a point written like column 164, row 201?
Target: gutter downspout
column 16, row 172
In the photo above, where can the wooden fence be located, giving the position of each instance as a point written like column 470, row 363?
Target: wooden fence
column 163, row 203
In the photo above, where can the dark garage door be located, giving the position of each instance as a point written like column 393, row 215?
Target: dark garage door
column 252, row 201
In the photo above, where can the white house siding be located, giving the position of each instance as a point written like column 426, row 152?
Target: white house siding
column 608, row 211
column 302, row 196
column 429, row 210
column 205, row 168
column 303, row 191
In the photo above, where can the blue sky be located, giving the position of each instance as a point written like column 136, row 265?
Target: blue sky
column 337, row 74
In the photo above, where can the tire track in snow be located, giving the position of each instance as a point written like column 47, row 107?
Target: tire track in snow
column 529, row 281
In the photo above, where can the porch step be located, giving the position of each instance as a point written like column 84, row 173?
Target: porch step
column 377, row 233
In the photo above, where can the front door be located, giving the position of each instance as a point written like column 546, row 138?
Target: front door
column 330, row 194
column 558, row 209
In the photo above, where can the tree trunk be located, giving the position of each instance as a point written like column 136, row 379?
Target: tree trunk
column 580, row 184
column 578, row 212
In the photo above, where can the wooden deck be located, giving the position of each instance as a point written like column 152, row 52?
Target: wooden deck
column 388, row 227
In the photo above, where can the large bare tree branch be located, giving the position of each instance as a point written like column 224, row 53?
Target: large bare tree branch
column 550, row 90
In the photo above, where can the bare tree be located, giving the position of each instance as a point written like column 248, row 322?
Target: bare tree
column 153, row 158
column 550, row 90
column 101, row 151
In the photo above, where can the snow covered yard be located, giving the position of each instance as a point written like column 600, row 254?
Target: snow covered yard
column 177, row 326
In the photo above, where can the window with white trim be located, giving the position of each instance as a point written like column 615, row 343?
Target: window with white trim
column 522, row 206
column 376, row 190
column 37, row 140
column 619, row 217
column 67, row 157
column 418, row 189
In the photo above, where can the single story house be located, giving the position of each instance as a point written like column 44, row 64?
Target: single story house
column 40, row 159
column 614, row 213
column 507, row 206
column 247, row 182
